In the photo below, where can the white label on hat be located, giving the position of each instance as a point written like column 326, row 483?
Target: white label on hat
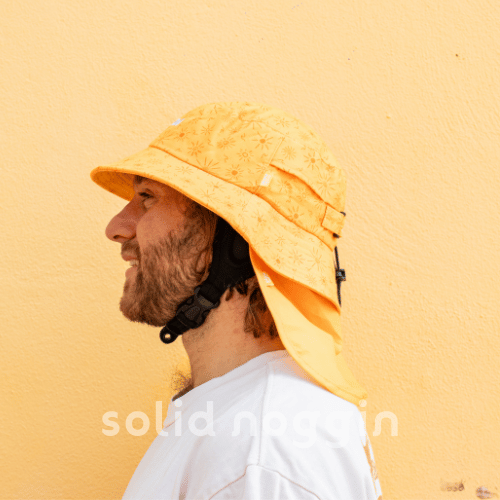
column 177, row 121
column 266, row 180
column 268, row 280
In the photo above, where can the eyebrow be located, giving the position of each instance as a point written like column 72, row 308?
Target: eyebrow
column 150, row 183
column 138, row 180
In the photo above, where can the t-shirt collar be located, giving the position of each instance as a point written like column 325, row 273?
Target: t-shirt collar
column 210, row 385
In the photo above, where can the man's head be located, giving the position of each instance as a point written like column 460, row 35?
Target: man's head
column 277, row 184
column 171, row 236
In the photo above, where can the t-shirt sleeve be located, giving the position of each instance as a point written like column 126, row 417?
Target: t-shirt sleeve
column 260, row 483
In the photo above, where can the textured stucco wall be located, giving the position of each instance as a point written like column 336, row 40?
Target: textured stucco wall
column 406, row 94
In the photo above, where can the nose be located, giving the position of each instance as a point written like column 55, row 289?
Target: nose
column 123, row 225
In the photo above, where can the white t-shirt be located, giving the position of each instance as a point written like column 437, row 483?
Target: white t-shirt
column 263, row 431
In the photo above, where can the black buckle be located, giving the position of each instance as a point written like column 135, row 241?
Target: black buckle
column 193, row 311
column 340, row 273
column 190, row 314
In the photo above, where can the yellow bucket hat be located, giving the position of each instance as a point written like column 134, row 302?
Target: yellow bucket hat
column 273, row 180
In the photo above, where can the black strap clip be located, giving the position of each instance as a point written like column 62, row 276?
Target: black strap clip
column 191, row 314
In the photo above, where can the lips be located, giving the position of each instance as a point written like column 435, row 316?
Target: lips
column 129, row 256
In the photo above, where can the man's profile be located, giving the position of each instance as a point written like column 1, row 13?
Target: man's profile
column 233, row 216
column 167, row 239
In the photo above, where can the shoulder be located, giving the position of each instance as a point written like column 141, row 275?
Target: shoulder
column 316, row 438
column 288, row 432
column 294, row 396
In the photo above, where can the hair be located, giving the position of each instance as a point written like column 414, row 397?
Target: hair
column 258, row 318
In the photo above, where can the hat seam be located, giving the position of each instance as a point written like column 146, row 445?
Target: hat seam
column 263, row 164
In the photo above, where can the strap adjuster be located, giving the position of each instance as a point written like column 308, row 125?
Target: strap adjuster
column 195, row 309
column 191, row 314
column 339, row 274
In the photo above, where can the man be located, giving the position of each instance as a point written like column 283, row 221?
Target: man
column 243, row 197
column 167, row 238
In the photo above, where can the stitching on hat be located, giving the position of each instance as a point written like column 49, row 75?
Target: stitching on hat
column 211, row 174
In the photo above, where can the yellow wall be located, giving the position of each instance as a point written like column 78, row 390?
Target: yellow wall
column 405, row 92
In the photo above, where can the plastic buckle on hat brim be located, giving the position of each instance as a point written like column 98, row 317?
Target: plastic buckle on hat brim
column 191, row 313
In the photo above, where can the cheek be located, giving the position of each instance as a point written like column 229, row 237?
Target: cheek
column 169, row 217
column 158, row 225
column 145, row 234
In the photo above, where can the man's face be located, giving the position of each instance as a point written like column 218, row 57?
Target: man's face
column 153, row 229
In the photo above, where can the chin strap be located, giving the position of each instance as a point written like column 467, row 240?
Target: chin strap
column 230, row 266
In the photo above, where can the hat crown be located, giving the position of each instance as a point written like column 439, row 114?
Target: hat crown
column 241, row 142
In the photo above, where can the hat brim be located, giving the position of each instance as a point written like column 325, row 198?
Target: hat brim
column 302, row 302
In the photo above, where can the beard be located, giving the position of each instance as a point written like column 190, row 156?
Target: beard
column 167, row 274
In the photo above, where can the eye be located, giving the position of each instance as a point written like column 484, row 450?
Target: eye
column 145, row 196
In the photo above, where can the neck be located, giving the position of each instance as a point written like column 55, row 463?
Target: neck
column 221, row 344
